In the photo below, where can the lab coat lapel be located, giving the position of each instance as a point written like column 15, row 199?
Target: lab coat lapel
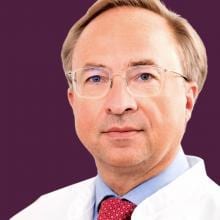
column 83, row 204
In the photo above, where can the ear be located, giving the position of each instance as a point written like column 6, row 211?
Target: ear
column 70, row 96
column 191, row 96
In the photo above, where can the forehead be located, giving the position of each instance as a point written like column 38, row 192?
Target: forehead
column 122, row 34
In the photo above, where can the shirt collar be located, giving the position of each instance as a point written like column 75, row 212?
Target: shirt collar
column 147, row 188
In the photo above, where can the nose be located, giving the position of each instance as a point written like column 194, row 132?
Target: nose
column 119, row 100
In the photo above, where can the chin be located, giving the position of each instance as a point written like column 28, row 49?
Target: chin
column 124, row 160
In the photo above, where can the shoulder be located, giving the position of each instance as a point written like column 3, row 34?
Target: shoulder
column 203, row 189
column 206, row 200
column 212, row 191
column 56, row 204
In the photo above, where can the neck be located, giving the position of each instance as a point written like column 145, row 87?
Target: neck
column 123, row 179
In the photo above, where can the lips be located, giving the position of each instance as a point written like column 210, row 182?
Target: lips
column 123, row 129
column 122, row 132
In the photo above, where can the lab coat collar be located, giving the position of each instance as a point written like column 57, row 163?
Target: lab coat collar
column 181, row 187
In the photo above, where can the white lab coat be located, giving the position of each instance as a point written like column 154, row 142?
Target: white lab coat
column 192, row 196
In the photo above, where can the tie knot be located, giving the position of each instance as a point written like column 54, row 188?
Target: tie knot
column 115, row 208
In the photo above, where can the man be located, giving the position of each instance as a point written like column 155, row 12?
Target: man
column 135, row 70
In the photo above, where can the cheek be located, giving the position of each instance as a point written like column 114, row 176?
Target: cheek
column 86, row 116
column 173, row 103
column 172, row 117
column 166, row 114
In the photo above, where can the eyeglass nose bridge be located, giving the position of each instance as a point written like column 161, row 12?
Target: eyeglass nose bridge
column 118, row 75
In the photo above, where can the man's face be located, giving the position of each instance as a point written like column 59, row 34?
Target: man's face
column 121, row 130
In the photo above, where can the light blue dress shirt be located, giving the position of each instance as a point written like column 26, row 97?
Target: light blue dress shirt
column 147, row 188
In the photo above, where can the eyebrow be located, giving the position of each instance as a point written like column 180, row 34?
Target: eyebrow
column 87, row 65
column 141, row 62
column 130, row 63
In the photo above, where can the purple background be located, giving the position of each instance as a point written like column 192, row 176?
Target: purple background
column 40, row 149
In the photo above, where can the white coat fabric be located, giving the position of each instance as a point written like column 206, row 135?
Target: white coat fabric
column 192, row 196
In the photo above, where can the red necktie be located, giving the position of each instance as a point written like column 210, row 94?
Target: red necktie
column 115, row 209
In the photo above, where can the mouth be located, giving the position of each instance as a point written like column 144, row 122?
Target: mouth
column 122, row 133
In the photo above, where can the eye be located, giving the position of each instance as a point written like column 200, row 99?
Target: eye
column 95, row 79
column 145, row 76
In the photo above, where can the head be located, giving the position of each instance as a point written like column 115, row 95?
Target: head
column 122, row 129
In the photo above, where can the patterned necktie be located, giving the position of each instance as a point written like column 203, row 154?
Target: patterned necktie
column 115, row 209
